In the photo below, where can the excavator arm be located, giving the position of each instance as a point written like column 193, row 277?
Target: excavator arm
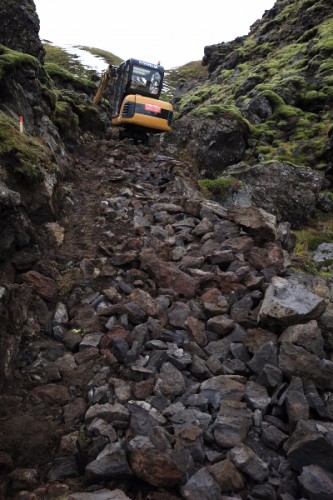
column 109, row 73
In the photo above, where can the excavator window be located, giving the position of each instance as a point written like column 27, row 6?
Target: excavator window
column 137, row 77
column 145, row 80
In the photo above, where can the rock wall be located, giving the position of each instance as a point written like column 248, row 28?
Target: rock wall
column 20, row 27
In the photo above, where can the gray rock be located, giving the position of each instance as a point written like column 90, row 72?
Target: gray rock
column 272, row 436
column 222, row 387
column 108, row 412
column 265, row 355
column 248, row 461
column 100, row 427
column 201, row 486
column 256, row 396
column 102, row 494
column 222, row 325
column 296, row 402
column 307, row 335
column 288, row 303
column 232, row 424
column 111, row 463
column 323, row 252
column 294, row 360
column 63, row 468
column 256, row 222
column 316, row 483
column 311, row 444
column 170, row 381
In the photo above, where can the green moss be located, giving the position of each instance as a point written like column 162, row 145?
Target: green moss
column 109, row 57
column 23, row 155
column 66, row 120
column 218, row 186
column 67, row 78
column 10, row 60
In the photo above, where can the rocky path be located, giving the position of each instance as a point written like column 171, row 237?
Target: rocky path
column 167, row 352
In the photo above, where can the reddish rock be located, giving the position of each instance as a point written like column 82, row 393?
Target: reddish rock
column 45, row 287
column 52, row 394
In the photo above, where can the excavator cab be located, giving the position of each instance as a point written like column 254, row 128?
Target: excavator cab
column 135, row 103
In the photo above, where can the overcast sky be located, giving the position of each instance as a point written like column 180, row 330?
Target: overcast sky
column 173, row 32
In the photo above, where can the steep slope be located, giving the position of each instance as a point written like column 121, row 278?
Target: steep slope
column 153, row 344
column 271, row 92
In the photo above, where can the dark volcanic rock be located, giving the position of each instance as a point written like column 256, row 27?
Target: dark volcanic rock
column 20, row 28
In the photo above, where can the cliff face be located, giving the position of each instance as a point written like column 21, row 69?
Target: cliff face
column 268, row 95
column 20, row 27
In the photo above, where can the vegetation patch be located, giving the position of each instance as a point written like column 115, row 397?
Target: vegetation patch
column 308, row 239
column 11, row 60
column 219, row 186
column 22, row 154
column 66, row 78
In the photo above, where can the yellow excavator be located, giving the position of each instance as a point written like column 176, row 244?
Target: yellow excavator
column 135, row 101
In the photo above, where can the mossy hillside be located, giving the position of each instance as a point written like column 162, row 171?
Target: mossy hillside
column 294, row 75
column 109, row 57
column 10, row 60
column 64, row 78
column 24, row 156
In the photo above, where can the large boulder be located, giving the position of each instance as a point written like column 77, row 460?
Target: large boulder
column 213, row 143
column 287, row 191
column 20, row 27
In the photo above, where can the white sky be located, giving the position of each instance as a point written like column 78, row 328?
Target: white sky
column 173, row 32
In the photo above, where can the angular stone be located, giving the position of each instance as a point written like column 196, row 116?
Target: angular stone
column 308, row 336
column 178, row 314
column 142, row 420
column 170, row 381
column 222, row 387
column 266, row 354
column 189, row 436
column 168, row 275
column 63, row 468
column 145, row 301
column 111, row 463
column 294, row 360
column 226, row 475
column 45, row 287
column 201, row 486
column 271, row 376
column 311, row 444
column 296, row 402
column 272, row 436
column 53, row 393
column 165, row 468
column 232, row 424
column 256, row 337
column 222, row 325
column 288, row 303
column 255, row 221
column 256, row 396
column 197, row 329
column 316, row 404
column 108, row 412
column 248, row 461
column 100, row 427
column 102, row 494
column 316, row 483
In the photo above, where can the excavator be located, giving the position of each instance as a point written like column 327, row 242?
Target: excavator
column 136, row 107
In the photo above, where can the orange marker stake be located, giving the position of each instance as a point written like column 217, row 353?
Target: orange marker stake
column 21, row 124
